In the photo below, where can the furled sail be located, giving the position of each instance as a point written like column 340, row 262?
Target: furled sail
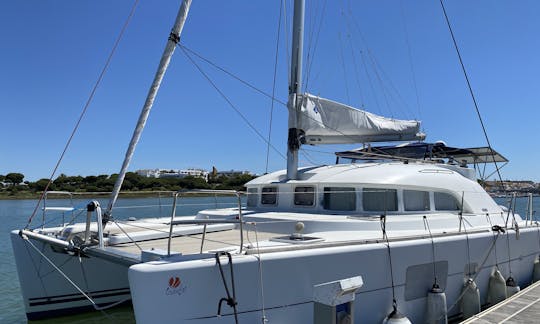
column 328, row 122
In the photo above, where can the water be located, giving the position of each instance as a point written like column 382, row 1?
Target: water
column 14, row 215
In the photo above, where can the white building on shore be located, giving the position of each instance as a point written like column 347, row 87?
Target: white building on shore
column 173, row 173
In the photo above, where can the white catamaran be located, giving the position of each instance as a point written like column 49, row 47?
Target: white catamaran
column 402, row 233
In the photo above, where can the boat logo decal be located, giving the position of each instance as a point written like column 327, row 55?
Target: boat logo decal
column 176, row 287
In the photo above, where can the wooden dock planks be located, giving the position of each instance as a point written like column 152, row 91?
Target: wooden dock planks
column 523, row 307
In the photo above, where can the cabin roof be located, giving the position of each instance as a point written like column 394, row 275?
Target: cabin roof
column 379, row 174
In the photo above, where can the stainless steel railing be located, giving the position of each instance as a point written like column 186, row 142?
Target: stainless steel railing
column 205, row 222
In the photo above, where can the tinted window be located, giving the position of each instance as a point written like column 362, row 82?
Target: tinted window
column 375, row 199
column 415, row 200
column 252, row 197
column 269, row 195
column 444, row 201
column 339, row 198
column 304, row 196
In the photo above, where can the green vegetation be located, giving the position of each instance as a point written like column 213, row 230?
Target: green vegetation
column 14, row 188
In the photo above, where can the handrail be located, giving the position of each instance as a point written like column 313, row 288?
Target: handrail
column 45, row 195
column 205, row 222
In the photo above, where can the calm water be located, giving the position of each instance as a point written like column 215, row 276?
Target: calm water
column 14, row 215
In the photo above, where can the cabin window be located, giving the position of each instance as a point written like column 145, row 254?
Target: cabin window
column 253, row 195
column 415, row 200
column 339, row 198
column 269, row 195
column 444, row 201
column 376, row 199
column 304, row 196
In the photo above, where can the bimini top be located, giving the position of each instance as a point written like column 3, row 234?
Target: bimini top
column 425, row 151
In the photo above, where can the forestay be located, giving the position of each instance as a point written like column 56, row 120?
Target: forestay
column 329, row 122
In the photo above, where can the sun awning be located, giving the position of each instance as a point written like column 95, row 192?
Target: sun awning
column 425, row 151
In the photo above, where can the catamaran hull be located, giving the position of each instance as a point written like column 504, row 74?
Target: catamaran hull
column 192, row 289
column 47, row 293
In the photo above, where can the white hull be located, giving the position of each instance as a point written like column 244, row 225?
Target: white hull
column 289, row 277
column 46, row 293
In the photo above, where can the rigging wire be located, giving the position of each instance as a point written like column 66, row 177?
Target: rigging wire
column 249, row 85
column 310, row 30
column 188, row 51
column 344, row 69
column 356, row 74
column 244, row 118
column 410, row 58
column 354, row 59
column 85, row 108
column 309, row 64
column 288, row 51
column 273, row 89
column 362, row 55
column 377, row 67
column 381, row 82
column 472, row 94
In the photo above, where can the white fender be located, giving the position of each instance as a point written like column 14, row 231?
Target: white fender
column 470, row 302
column 436, row 306
column 536, row 270
column 497, row 287
column 511, row 287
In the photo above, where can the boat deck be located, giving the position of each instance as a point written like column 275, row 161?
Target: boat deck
column 523, row 307
column 190, row 244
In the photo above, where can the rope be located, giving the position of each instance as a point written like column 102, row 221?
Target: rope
column 426, row 226
column 472, row 94
column 468, row 245
column 36, row 269
column 493, row 244
column 385, row 237
column 273, row 89
column 62, row 273
column 231, row 301
column 264, row 319
column 83, row 112
column 493, row 233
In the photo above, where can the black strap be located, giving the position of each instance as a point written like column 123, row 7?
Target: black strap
column 231, row 301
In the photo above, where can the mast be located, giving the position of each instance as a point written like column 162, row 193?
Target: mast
column 295, row 90
column 174, row 38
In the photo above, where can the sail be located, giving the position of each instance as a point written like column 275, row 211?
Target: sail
column 328, row 122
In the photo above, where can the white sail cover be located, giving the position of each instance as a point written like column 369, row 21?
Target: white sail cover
column 329, row 122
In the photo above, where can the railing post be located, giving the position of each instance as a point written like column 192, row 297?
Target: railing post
column 240, row 220
column 173, row 212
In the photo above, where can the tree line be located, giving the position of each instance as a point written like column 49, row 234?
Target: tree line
column 13, row 183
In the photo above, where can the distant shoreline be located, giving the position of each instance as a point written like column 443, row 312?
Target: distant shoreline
column 88, row 195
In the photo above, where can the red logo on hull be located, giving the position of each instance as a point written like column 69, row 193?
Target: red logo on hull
column 174, row 282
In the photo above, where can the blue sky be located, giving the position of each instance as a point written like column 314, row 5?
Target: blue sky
column 53, row 51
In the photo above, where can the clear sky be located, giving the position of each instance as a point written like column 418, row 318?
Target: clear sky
column 394, row 58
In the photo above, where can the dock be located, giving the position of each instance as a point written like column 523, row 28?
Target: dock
column 523, row 307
